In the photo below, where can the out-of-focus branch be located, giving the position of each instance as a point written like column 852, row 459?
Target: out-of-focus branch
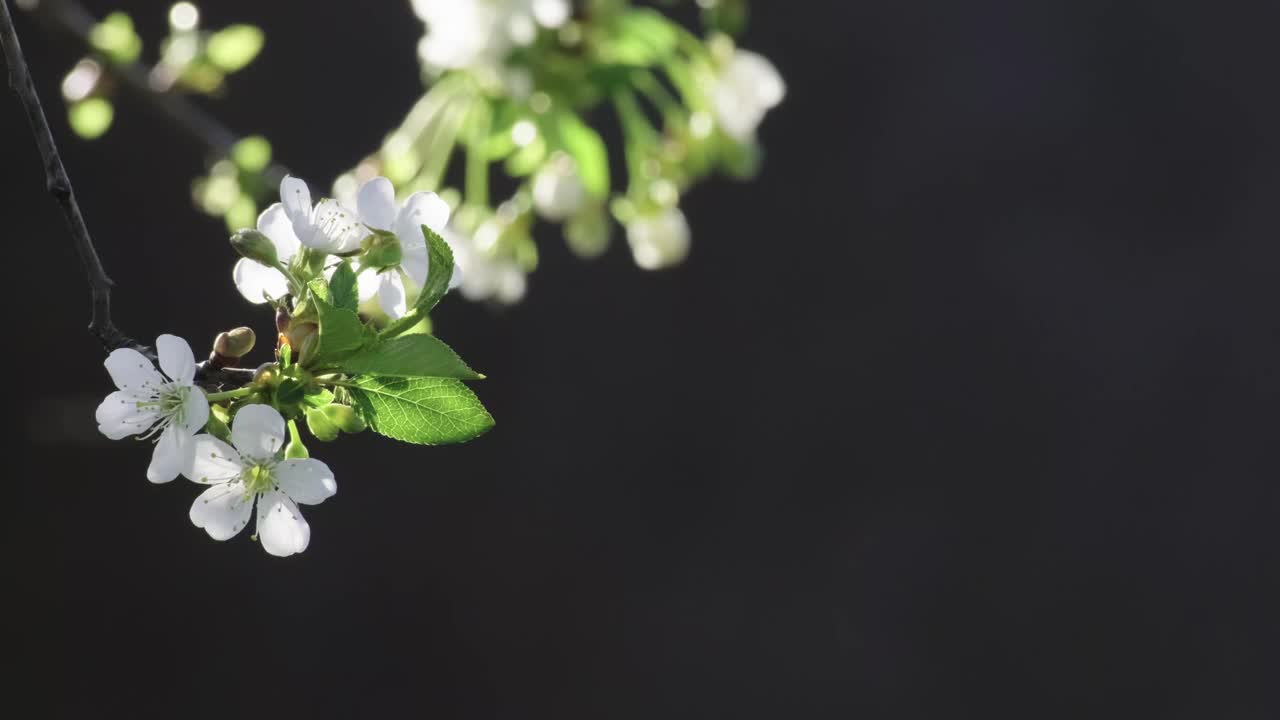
column 59, row 185
column 72, row 19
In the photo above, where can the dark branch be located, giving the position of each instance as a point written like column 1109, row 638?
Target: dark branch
column 71, row 18
column 59, row 186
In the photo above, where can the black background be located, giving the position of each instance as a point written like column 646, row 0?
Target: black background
column 966, row 408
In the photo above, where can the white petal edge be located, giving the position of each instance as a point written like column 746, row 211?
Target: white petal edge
column 391, row 295
column 257, row 431
column 171, row 456
column 212, row 461
column 415, row 262
column 307, row 481
column 257, row 282
column 281, row 527
column 132, row 371
column 176, row 359
column 422, row 208
column 119, row 416
column 376, row 201
column 295, row 196
column 195, row 411
column 222, row 511
column 274, row 222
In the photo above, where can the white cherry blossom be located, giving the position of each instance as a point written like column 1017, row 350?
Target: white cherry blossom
column 558, row 193
column 252, row 470
column 149, row 404
column 376, row 201
column 260, row 283
column 747, row 88
column 659, row 239
column 480, row 275
column 480, row 33
column 326, row 226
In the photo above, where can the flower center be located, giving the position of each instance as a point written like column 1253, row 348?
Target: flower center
column 258, row 479
column 170, row 402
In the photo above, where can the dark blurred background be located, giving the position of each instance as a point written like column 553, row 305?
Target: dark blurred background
column 968, row 407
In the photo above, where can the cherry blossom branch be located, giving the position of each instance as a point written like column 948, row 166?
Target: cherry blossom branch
column 71, row 18
column 59, row 185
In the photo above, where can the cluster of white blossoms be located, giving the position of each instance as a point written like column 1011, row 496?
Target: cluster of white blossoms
column 330, row 228
column 168, row 407
column 746, row 88
column 479, row 33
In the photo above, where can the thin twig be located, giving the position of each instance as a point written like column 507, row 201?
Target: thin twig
column 59, row 185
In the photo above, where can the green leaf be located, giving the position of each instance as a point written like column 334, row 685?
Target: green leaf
column 234, row 47
column 588, row 151
column 218, row 424
column 341, row 333
column 320, row 289
column 439, row 273
column 342, row 288
column 317, row 396
column 424, row 411
column 91, row 118
column 410, row 356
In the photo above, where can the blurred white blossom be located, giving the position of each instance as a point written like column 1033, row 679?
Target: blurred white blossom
column 472, row 33
column 558, row 193
column 659, row 239
column 481, row 274
column 747, row 87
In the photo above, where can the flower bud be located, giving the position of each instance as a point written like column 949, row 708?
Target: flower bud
column 320, row 426
column 267, row 375
column 255, row 246
column 588, row 232
column 557, row 190
column 282, row 320
column 234, row 344
column 344, row 418
column 659, row 240
column 381, row 250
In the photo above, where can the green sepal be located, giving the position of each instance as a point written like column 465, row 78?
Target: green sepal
column 320, row 426
column 219, row 423
column 295, row 450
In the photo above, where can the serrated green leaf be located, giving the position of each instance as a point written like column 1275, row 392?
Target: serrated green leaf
column 439, row 273
column 589, row 153
column 341, row 333
column 424, row 411
column 317, row 397
column 342, row 288
column 410, row 356
column 234, row 47
column 320, row 289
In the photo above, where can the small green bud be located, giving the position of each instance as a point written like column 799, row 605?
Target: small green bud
column 267, row 376
column 344, row 418
column 320, row 425
column 381, row 250
column 217, row 424
column 235, row 343
column 255, row 246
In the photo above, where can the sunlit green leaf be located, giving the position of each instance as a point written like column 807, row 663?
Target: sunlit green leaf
column 424, row 411
column 342, row 288
column 410, row 356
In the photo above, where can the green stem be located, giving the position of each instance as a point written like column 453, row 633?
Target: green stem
column 230, row 394
column 638, row 134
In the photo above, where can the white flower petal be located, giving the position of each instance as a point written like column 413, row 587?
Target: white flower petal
column 130, row 370
column 415, row 262
column 176, row 359
column 212, row 461
column 274, row 222
column 119, row 416
column 376, row 201
column 223, row 510
column 257, row 282
column 334, row 229
column 281, row 528
column 367, row 284
column 307, row 481
column 295, row 196
column 171, row 456
column 422, row 208
column 391, row 296
column 551, row 13
column 257, row 431
column 195, row 411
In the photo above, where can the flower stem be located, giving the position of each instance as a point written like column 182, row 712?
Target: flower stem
column 230, row 394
